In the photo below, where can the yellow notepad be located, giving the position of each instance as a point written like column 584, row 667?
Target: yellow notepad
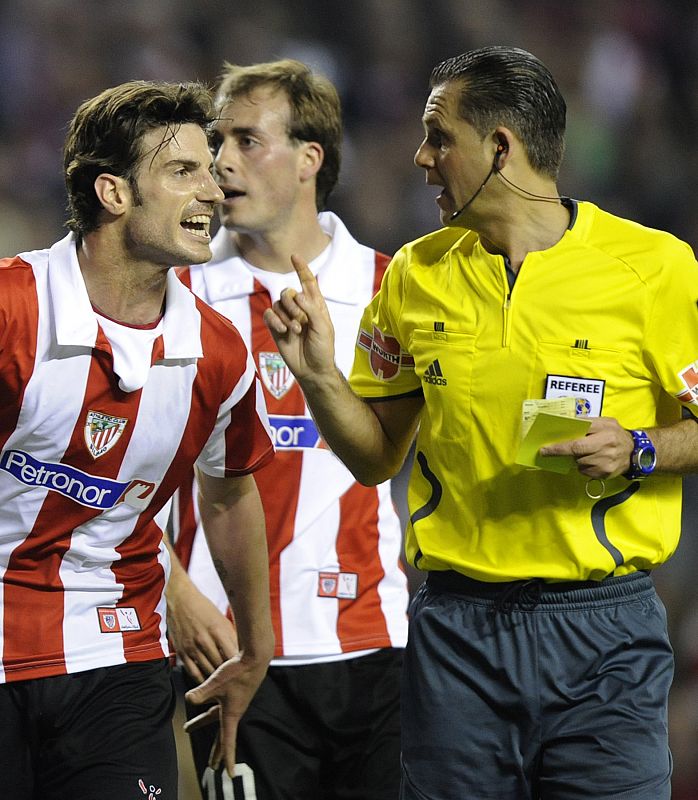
column 548, row 429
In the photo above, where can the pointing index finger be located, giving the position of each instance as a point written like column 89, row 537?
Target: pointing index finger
column 305, row 276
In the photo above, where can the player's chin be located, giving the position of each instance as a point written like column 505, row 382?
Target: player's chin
column 195, row 252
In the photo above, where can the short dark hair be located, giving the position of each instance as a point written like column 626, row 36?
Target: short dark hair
column 509, row 86
column 316, row 114
column 106, row 135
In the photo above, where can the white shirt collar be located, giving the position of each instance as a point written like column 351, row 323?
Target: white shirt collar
column 227, row 275
column 75, row 320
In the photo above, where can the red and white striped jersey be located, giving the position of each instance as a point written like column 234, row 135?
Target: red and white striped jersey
column 86, row 468
column 337, row 585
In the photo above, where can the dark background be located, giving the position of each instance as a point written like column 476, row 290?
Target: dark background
column 628, row 69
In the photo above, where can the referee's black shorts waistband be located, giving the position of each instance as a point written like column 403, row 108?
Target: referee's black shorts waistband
column 610, row 588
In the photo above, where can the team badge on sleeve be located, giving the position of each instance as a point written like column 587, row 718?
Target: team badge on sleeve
column 689, row 377
column 385, row 355
column 276, row 375
column 102, row 432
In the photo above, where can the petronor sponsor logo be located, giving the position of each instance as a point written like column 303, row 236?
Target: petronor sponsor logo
column 294, row 433
column 88, row 490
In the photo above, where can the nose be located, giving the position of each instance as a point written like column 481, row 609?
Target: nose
column 210, row 190
column 423, row 158
column 224, row 159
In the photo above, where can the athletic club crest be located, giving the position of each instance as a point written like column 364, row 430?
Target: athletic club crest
column 276, row 375
column 102, row 432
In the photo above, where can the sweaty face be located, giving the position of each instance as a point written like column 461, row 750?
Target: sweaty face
column 452, row 153
column 170, row 219
column 257, row 164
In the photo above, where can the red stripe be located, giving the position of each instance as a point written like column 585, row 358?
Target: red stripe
column 184, row 274
column 32, row 582
column 381, row 264
column 19, row 322
column 361, row 622
column 278, row 482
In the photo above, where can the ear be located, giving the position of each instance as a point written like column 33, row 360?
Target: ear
column 503, row 141
column 113, row 193
column 311, row 158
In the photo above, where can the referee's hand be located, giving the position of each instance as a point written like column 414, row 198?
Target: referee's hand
column 603, row 453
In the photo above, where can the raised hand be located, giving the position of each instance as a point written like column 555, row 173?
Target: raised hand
column 301, row 326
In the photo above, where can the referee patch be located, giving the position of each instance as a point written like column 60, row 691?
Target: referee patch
column 588, row 392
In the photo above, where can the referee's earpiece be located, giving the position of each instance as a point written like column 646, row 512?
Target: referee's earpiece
column 495, row 164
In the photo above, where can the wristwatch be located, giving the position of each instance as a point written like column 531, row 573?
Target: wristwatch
column 643, row 459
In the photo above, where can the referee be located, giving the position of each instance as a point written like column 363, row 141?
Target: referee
column 545, row 353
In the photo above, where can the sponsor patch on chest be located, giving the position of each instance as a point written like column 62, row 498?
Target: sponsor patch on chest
column 118, row 620
column 342, row 585
column 587, row 392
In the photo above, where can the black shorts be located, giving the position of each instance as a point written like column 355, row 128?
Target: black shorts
column 102, row 734
column 550, row 693
column 314, row 732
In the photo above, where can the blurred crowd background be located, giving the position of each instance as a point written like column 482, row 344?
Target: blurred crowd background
column 628, row 68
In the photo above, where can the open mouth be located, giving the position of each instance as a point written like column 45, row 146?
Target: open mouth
column 232, row 193
column 198, row 226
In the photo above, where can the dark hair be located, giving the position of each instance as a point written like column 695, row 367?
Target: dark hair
column 106, row 135
column 509, row 86
column 315, row 109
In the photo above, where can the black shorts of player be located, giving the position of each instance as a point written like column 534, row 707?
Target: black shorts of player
column 326, row 731
column 102, row 734
column 533, row 691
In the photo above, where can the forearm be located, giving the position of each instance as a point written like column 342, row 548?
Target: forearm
column 676, row 446
column 353, row 430
column 234, row 527
column 203, row 637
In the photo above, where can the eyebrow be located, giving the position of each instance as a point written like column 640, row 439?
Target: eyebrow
column 187, row 162
column 239, row 130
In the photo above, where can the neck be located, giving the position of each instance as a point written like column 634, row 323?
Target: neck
column 125, row 290
column 530, row 226
column 272, row 250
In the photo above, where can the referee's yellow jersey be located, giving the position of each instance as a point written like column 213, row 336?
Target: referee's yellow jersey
column 608, row 316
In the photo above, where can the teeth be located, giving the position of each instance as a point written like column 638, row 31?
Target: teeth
column 198, row 219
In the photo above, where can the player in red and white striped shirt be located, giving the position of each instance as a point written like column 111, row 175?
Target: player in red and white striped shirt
column 115, row 381
column 325, row 722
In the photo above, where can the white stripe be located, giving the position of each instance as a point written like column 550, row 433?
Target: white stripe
column 51, row 403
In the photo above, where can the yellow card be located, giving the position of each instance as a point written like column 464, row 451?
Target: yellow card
column 548, row 429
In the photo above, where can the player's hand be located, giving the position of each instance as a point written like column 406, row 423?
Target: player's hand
column 603, row 453
column 202, row 636
column 231, row 687
column 301, row 326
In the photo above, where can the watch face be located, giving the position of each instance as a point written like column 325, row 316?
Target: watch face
column 646, row 458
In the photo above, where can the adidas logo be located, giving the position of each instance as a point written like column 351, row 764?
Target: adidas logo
column 434, row 375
